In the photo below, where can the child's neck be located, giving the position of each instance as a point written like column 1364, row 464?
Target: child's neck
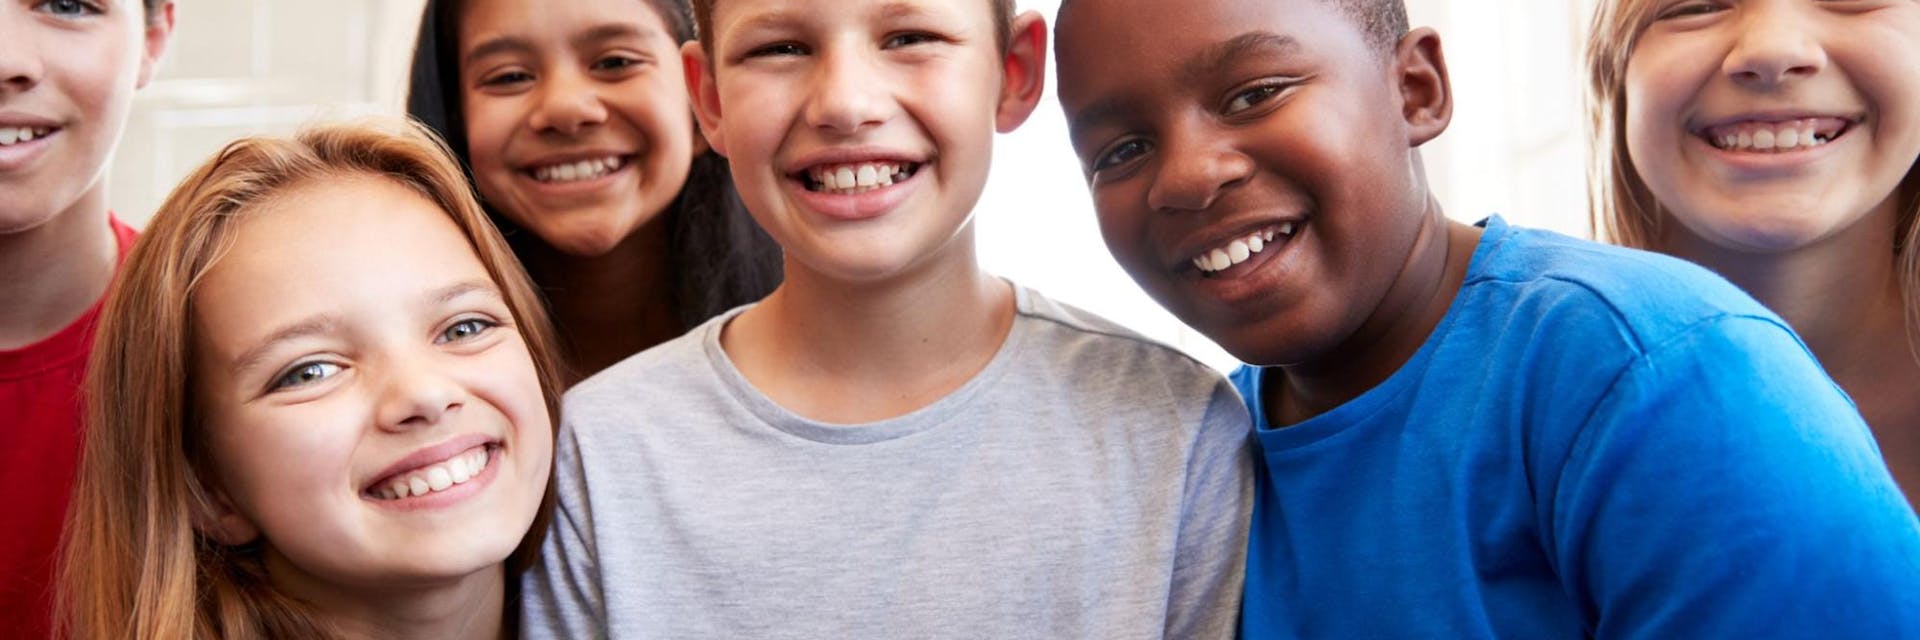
column 56, row 271
column 851, row 353
column 1842, row 295
column 1416, row 302
column 610, row 306
column 467, row 608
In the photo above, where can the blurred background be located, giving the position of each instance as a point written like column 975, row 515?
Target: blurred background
column 1516, row 146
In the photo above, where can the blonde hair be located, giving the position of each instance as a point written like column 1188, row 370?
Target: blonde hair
column 134, row 561
column 1622, row 210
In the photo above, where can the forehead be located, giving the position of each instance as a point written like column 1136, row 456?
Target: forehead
column 733, row 15
column 484, row 21
column 332, row 239
column 1125, row 50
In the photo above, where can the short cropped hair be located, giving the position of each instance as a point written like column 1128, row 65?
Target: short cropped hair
column 1383, row 22
column 1002, row 22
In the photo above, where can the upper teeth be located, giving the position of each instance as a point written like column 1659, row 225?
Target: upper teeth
column 1240, row 249
column 857, row 178
column 1781, row 136
column 572, row 171
column 435, row 477
column 15, row 135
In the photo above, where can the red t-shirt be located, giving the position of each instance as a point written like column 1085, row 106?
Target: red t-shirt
column 39, row 451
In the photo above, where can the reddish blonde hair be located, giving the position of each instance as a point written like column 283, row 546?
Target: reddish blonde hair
column 1622, row 210
column 134, row 562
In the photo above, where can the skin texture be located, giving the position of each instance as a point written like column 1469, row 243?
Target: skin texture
column 1199, row 123
column 53, row 204
column 1810, row 232
column 401, row 351
column 884, row 308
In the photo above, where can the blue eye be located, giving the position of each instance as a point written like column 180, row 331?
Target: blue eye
column 304, row 374
column 466, row 330
column 1121, row 153
column 1687, row 9
column 68, row 8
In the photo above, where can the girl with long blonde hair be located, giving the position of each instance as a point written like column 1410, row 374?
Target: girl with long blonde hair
column 322, row 405
column 1775, row 142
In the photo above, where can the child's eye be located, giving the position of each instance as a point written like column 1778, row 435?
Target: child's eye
column 68, row 8
column 507, row 79
column 777, row 49
column 465, row 330
column 1252, row 97
column 615, row 63
column 304, row 374
column 908, row 39
column 1686, row 9
column 1120, row 154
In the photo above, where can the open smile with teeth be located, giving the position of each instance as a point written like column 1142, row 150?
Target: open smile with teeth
column 1775, row 137
column 435, row 477
column 578, row 170
column 1242, row 248
column 10, row 136
column 848, row 179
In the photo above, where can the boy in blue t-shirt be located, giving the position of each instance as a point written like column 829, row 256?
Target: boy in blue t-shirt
column 1464, row 431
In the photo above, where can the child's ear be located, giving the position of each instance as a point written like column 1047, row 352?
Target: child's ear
column 1426, row 94
column 1024, row 75
column 224, row 523
column 705, row 95
column 159, row 30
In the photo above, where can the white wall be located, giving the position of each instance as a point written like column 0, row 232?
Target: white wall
column 241, row 67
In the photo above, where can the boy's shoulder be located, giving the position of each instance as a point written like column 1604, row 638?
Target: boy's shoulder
column 1092, row 359
column 1646, row 296
column 1092, row 339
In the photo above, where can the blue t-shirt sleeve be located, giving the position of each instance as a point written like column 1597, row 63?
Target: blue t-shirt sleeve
column 1725, row 488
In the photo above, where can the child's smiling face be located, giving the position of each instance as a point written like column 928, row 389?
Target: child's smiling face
column 859, row 132
column 70, row 106
column 1250, row 164
column 1767, row 125
column 370, row 408
column 577, row 118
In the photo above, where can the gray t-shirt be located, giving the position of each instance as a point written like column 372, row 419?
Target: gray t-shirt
column 1088, row 483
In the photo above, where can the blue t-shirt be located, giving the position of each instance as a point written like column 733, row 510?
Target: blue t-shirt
column 1594, row 441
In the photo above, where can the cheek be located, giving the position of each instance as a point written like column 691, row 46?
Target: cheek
column 281, row 466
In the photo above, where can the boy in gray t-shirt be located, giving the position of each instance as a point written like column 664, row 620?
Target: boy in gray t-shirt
column 894, row 444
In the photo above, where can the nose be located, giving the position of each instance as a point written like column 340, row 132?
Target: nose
column 569, row 104
column 20, row 66
column 1775, row 45
column 1194, row 170
column 416, row 393
column 846, row 96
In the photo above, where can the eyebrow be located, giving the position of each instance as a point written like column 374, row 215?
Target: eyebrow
column 783, row 18
column 1216, row 58
column 312, row 326
column 1208, row 62
column 517, row 44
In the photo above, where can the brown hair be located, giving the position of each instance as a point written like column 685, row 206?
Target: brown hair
column 703, row 24
column 134, row 562
column 1622, row 210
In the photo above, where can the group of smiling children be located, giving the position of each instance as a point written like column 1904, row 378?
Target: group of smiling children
column 325, row 398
